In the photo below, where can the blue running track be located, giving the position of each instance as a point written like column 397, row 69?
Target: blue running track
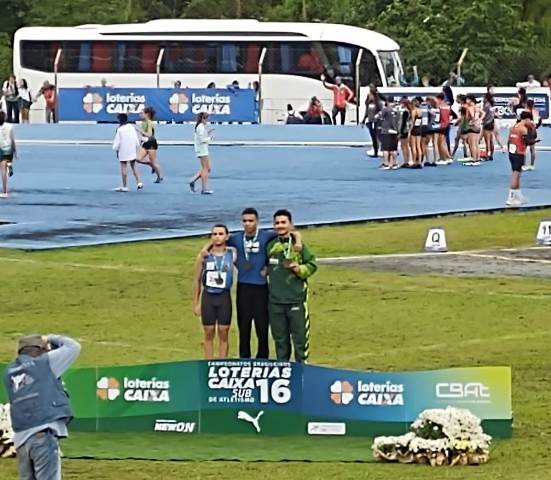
column 62, row 193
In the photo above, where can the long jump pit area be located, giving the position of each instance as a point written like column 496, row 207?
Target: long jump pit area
column 507, row 262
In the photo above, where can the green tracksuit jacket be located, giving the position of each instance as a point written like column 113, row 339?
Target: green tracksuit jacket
column 288, row 308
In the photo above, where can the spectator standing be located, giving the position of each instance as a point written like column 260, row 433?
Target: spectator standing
column 11, row 96
column 39, row 406
column 532, row 137
column 530, row 82
column 341, row 97
column 50, row 97
column 25, row 100
column 373, row 105
column 389, row 119
column 201, row 138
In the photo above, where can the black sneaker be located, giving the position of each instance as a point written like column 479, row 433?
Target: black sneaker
column 192, row 186
column 159, row 180
column 10, row 170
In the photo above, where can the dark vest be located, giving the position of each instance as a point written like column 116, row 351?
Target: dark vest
column 36, row 396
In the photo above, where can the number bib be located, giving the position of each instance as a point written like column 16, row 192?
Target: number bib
column 512, row 148
column 214, row 279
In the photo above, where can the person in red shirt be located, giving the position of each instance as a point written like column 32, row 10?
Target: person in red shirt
column 49, row 94
column 444, row 111
column 517, row 153
column 341, row 96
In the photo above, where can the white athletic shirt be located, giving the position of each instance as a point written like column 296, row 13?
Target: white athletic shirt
column 126, row 143
column 6, row 135
column 201, row 139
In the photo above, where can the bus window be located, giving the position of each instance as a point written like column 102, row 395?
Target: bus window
column 70, row 58
column 228, row 58
column 102, row 57
column 84, row 60
column 340, row 61
column 150, row 52
column 37, row 56
column 369, row 71
column 252, row 56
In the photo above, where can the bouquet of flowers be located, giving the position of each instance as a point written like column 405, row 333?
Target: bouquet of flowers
column 6, row 433
column 450, row 436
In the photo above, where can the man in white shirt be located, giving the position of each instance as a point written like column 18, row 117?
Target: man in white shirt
column 127, row 144
column 531, row 82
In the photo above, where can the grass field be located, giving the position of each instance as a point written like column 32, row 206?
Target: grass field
column 131, row 304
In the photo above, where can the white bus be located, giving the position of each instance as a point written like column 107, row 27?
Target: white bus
column 198, row 52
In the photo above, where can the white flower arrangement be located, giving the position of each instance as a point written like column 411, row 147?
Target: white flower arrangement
column 450, row 436
column 6, row 433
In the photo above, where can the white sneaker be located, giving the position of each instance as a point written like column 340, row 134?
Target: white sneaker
column 370, row 153
column 121, row 189
column 395, row 167
column 385, row 167
column 525, row 168
column 3, row 195
column 441, row 162
column 139, row 186
column 465, row 159
column 449, row 161
column 530, row 168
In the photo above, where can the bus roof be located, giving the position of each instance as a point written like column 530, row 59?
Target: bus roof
column 215, row 30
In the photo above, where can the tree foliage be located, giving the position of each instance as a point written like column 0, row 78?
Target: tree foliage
column 507, row 39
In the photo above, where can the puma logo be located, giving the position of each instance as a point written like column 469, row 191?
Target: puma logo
column 18, row 381
column 241, row 415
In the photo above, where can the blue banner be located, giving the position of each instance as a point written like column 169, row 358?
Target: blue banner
column 177, row 105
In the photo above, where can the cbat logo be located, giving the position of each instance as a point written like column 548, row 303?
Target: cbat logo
column 179, row 103
column 108, row 388
column 342, row 393
column 92, row 103
column 457, row 390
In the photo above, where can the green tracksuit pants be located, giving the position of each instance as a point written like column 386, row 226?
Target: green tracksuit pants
column 290, row 322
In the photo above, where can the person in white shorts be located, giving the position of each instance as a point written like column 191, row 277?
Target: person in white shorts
column 127, row 144
column 202, row 137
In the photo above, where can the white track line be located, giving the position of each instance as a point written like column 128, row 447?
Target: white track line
column 508, row 259
column 114, row 267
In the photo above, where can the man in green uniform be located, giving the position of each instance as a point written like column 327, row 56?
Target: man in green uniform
column 288, row 271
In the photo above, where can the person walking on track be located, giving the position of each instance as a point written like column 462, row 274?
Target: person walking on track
column 202, row 138
column 288, row 273
column 127, row 144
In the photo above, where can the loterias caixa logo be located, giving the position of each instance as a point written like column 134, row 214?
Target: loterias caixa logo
column 341, row 392
column 133, row 389
column 92, row 103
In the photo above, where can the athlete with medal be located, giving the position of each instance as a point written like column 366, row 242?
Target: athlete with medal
column 288, row 273
column 212, row 291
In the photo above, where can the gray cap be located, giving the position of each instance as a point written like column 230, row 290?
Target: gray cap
column 31, row 341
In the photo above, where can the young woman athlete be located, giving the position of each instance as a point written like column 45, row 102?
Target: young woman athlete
column 475, row 116
column 415, row 138
column 149, row 143
column 404, row 131
column 488, row 125
column 202, row 138
column 8, row 150
column 532, row 137
column 462, row 126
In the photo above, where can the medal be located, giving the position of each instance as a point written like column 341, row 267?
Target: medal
column 287, row 261
column 248, row 248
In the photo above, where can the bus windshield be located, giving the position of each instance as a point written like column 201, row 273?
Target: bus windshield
column 392, row 67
